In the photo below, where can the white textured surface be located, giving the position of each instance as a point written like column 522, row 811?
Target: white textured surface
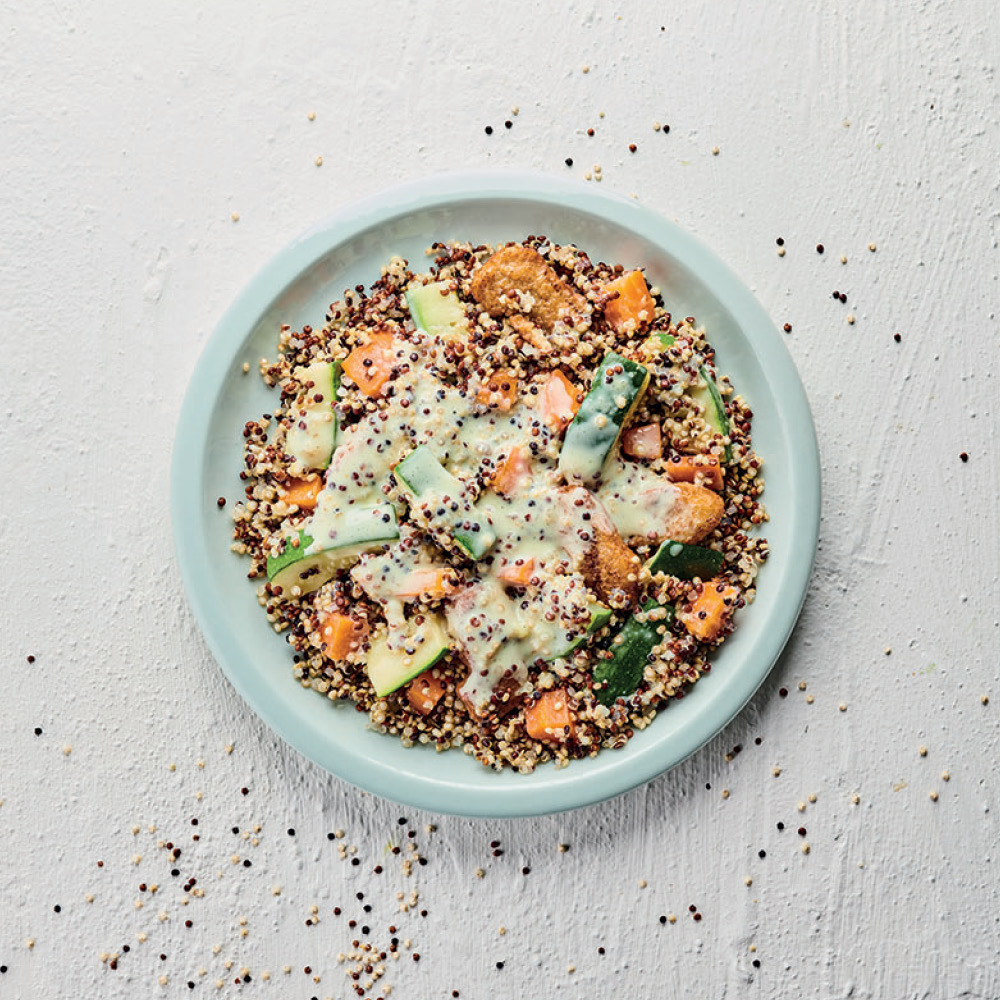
column 129, row 140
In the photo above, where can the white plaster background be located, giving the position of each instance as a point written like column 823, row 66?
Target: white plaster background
column 130, row 133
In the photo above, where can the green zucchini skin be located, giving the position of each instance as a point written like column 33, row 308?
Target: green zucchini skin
column 389, row 669
column 312, row 438
column 622, row 674
column 421, row 474
column 685, row 561
column 360, row 529
column 594, row 432
column 713, row 406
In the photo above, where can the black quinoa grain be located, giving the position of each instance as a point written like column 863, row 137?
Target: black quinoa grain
column 38, row 730
column 221, row 502
column 499, row 965
column 508, row 124
column 663, row 918
column 488, row 130
column 896, row 337
column 783, row 692
column 291, row 831
column 762, row 854
column 964, row 456
column 820, row 248
column 355, row 861
column 756, row 963
column 780, row 241
column 569, row 161
column 31, row 659
column 525, row 870
column 247, row 863
column 781, row 826
column 244, row 791
column 802, row 831
column 57, row 908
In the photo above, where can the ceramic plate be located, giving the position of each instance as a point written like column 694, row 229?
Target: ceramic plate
column 349, row 249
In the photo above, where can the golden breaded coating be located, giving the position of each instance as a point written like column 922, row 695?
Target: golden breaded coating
column 522, row 269
column 696, row 514
column 608, row 566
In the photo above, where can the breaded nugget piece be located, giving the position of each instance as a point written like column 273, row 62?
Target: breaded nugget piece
column 609, row 567
column 695, row 514
column 525, row 270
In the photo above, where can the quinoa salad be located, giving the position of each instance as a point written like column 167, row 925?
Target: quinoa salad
column 507, row 505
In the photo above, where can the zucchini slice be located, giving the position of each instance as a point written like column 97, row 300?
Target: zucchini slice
column 685, row 561
column 599, row 617
column 621, row 674
column 330, row 542
column 313, row 433
column 438, row 310
column 595, row 430
column 425, row 478
column 712, row 406
column 405, row 652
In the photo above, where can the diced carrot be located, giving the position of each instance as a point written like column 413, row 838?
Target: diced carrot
column 634, row 303
column 710, row 610
column 703, row 470
column 518, row 573
column 549, row 718
column 559, row 400
column 301, row 492
column 341, row 634
column 429, row 581
column 643, row 442
column 500, row 392
column 512, row 471
column 370, row 364
column 425, row 691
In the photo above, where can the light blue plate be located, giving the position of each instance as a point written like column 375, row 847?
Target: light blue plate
column 349, row 249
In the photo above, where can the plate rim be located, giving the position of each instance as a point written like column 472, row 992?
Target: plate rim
column 440, row 190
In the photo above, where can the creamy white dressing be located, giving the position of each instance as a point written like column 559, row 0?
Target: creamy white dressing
column 638, row 501
column 499, row 635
